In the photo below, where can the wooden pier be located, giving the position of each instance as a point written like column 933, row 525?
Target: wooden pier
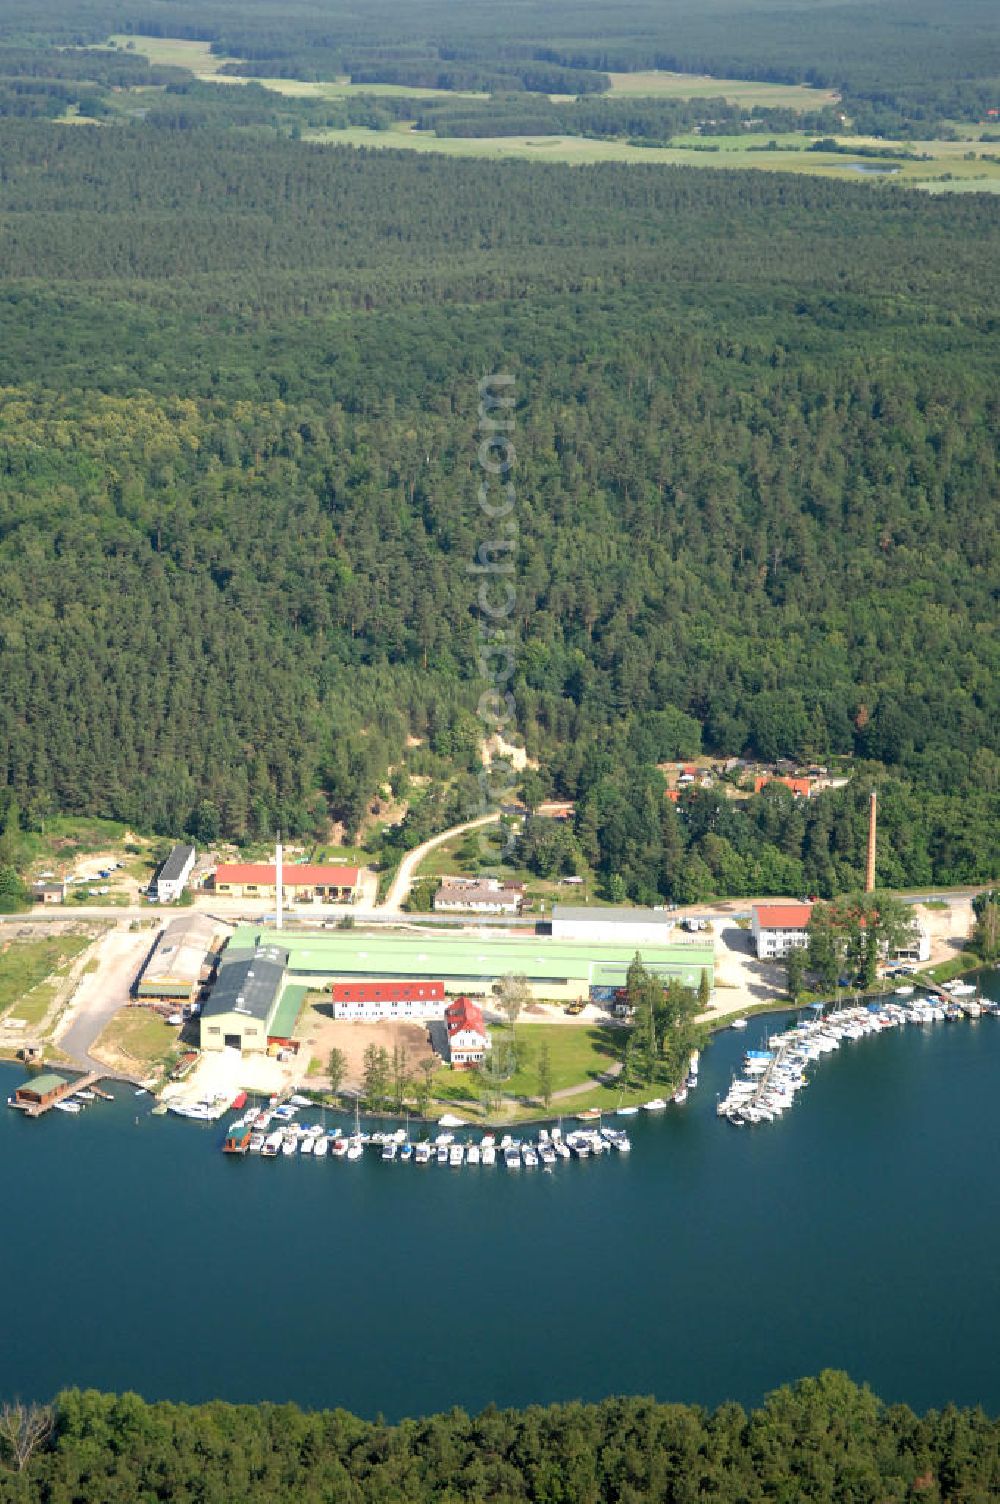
column 58, row 1093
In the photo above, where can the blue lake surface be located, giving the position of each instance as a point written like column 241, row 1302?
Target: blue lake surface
column 859, row 1232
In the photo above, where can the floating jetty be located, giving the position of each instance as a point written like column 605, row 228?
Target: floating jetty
column 772, row 1077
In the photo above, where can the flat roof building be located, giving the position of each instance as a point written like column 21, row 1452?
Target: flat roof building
column 556, row 969
column 619, row 925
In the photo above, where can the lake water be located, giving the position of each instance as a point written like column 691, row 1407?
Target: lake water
column 860, row 1232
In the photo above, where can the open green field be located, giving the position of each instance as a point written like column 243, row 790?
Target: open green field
column 173, row 52
column 578, row 1056
column 30, row 971
column 137, row 1035
column 656, row 84
column 947, row 172
column 343, row 88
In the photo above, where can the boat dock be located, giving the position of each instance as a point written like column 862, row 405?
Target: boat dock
column 41, row 1093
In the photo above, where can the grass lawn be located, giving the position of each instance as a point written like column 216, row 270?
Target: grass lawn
column 30, row 971
column 657, row 84
column 577, row 1053
column 138, row 1034
column 955, row 966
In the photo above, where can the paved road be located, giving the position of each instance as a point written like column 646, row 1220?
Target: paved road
column 403, row 881
column 102, row 992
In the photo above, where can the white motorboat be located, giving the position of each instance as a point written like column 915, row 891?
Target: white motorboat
column 67, row 1106
column 738, row 1023
column 473, row 1154
column 390, row 1150
column 657, row 1104
column 488, row 1154
column 512, row 1157
column 322, row 1148
column 456, row 1154
column 442, row 1154
column 627, row 1112
column 529, row 1156
column 355, row 1148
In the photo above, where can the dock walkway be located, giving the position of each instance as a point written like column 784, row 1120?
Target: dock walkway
column 69, row 1089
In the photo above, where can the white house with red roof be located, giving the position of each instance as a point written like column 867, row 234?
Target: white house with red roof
column 468, row 1037
column 778, row 928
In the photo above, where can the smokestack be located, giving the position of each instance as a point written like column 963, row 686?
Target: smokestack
column 278, row 875
column 872, row 830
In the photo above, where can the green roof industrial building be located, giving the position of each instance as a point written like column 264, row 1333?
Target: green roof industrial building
column 556, row 969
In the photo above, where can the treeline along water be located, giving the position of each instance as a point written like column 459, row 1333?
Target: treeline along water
column 860, row 1232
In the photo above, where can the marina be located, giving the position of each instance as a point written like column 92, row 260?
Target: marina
column 274, row 1131
column 772, row 1077
column 855, row 1233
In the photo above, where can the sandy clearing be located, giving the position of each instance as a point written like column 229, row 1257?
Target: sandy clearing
column 319, row 1034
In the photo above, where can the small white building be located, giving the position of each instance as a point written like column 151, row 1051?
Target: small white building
column 778, row 928
column 171, row 880
column 918, row 948
column 617, row 926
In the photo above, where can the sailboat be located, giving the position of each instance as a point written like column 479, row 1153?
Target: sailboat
column 355, row 1148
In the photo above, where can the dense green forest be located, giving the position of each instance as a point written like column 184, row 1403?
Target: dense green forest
column 756, row 471
column 901, row 64
column 824, row 1440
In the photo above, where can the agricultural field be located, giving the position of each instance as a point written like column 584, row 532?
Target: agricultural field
column 174, row 52
column 943, row 172
column 205, row 65
column 656, row 84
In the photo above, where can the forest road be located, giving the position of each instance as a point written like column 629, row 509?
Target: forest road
column 401, row 884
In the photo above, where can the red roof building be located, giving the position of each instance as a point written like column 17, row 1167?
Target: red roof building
column 468, row 1039
column 393, row 992
column 778, row 928
column 375, row 1000
column 800, row 787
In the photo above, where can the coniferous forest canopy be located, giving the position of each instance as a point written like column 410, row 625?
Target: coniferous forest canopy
column 756, row 438
column 895, row 61
column 824, row 1440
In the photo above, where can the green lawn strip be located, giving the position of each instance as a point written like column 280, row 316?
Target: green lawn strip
column 25, row 969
